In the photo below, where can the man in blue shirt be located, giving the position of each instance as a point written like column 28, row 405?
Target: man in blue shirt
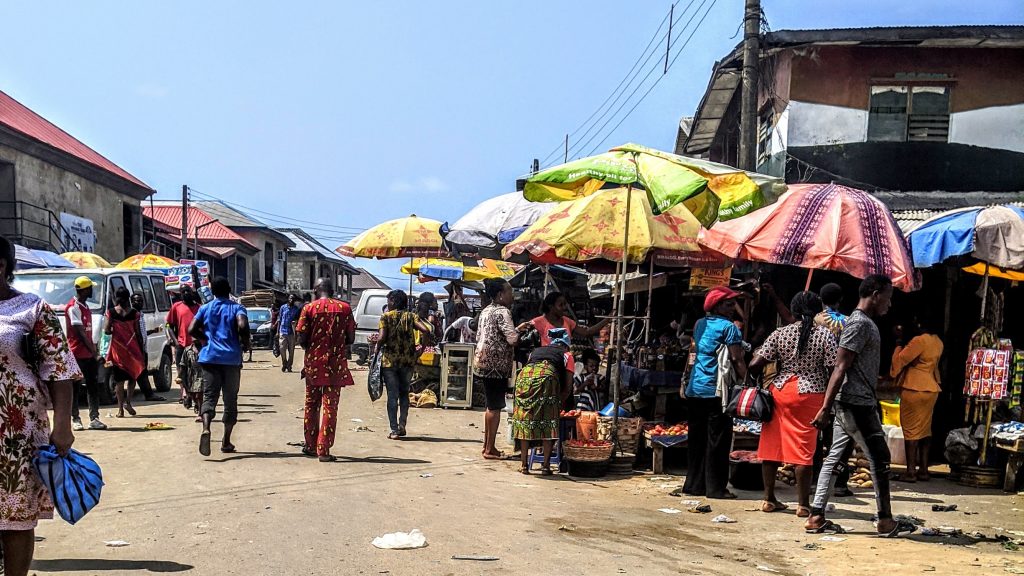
column 222, row 327
column 287, row 316
column 710, row 427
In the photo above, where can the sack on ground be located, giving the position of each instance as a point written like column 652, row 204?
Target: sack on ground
column 375, row 382
column 74, row 481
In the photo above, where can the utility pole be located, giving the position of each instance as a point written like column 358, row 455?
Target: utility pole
column 184, row 221
column 668, row 39
column 748, row 103
column 566, row 148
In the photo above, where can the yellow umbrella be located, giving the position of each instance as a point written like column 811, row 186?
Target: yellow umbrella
column 402, row 238
column 444, row 269
column 143, row 261
column 981, row 269
column 86, row 260
column 593, row 228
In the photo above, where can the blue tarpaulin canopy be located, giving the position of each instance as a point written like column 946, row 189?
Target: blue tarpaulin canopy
column 994, row 235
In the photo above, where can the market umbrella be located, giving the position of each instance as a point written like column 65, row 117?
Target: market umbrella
column 594, row 228
column 27, row 258
column 146, row 261
column 492, row 224
column 993, row 235
column 87, row 260
column 710, row 191
column 54, row 260
column 445, row 269
column 407, row 237
column 820, row 227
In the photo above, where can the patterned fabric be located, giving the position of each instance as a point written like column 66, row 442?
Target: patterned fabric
column 812, row 368
column 400, row 345
column 24, row 400
column 495, row 336
column 325, row 322
column 587, row 388
column 834, row 320
column 321, row 417
column 536, row 406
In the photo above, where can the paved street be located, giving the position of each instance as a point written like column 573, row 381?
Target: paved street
column 269, row 510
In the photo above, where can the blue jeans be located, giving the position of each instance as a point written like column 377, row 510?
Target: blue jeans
column 396, row 381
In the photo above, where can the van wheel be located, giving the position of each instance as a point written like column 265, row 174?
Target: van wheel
column 163, row 378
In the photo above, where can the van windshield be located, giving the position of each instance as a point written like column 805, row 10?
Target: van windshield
column 258, row 316
column 58, row 288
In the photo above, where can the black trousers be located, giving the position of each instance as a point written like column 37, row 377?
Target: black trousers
column 222, row 378
column 710, row 440
column 89, row 386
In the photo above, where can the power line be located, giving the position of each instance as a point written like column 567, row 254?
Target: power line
column 656, row 82
column 650, row 43
column 283, row 219
column 580, row 143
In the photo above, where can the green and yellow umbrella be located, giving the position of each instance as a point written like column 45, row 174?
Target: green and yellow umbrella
column 708, row 190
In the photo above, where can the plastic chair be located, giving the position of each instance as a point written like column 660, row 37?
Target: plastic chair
column 565, row 430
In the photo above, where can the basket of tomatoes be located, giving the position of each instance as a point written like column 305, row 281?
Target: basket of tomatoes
column 667, row 435
column 587, row 450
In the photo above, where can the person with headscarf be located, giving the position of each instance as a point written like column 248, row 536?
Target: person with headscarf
column 541, row 387
column 805, row 352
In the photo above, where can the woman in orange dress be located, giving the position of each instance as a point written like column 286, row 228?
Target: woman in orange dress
column 805, row 353
column 915, row 367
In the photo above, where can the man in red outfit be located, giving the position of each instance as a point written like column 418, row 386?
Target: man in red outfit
column 325, row 329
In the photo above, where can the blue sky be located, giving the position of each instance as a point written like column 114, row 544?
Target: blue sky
column 349, row 114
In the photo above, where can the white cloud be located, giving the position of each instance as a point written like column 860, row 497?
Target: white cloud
column 423, row 184
column 150, row 90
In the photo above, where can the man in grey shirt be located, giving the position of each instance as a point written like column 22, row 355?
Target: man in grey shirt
column 851, row 391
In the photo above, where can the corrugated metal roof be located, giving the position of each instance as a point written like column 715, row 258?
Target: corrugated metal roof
column 306, row 243
column 367, row 281
column 909, row 220
column 170, row 216
column 21, row 119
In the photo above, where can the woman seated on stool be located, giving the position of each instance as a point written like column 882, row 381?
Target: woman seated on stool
column 541, row 387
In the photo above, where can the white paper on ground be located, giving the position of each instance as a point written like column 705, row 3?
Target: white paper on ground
column 669, row 510
column 401, row 540
column 116, row 543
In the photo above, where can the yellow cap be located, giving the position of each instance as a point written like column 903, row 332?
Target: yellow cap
column 83, row 282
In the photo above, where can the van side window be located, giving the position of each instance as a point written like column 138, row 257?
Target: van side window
column 140, row 286
column 162, row 301
column 116, row 282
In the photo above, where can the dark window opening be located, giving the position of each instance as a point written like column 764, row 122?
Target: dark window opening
column 268, row 261
column 909, row 113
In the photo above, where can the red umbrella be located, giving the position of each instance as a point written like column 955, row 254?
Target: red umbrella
column 820, row 227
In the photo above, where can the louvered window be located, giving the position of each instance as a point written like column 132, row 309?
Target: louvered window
column 909, row 113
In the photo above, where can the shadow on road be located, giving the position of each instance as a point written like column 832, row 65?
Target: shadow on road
column 259, row 455
column 438, row 440
column 98, row 564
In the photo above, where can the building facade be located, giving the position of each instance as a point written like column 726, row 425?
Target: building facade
column 309, row 260
column 268, row 267
column 58, row 194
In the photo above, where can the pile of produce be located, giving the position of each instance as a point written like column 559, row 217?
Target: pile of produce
column 681, row 429
column 787, row 475
column 588, row 443
column 748, row 456
column 569, row 413
column 860, row 473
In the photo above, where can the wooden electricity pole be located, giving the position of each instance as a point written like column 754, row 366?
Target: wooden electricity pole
column 184, row 221
column 748, row 103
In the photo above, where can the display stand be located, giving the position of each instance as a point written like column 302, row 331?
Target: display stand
column 457, row 375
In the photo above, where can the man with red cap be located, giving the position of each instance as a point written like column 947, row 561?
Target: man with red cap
column 710, row 438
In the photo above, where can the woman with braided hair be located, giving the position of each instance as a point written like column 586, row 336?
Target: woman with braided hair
column 805, row 353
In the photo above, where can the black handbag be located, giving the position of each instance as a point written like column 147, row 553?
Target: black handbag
column 751, row 403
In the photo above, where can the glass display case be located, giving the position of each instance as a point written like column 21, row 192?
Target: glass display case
column 457, row 375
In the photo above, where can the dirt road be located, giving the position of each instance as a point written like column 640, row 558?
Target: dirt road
column 269, row 510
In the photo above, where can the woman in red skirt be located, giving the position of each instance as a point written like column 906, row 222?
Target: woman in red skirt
column 805, row 353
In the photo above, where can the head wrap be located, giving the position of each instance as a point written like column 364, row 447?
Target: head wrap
column 559, row 336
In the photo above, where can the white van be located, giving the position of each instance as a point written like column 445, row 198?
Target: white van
column 57, row 287
column 367, row 315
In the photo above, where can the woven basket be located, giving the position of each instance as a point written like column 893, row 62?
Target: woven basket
column 587, row 453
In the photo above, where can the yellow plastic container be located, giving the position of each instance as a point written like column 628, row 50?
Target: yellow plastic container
column 890, row 413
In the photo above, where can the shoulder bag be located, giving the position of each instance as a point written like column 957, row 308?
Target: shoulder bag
column 751, row 403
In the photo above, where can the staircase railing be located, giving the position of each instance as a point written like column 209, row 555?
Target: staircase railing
column 35, row 227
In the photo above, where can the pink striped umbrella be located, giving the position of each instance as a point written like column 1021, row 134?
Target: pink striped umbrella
column 820, row 227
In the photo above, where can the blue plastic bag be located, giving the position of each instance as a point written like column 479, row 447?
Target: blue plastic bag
column 74, row 481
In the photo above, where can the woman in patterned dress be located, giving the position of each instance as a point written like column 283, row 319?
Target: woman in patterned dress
column 541, row 387
column 806, row 353
column 36, row 371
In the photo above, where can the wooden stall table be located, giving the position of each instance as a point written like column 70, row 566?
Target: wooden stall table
column 1013, row 463
column 657, row 444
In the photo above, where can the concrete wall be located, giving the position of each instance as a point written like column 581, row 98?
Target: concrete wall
column 257, row 262
column 47, row 186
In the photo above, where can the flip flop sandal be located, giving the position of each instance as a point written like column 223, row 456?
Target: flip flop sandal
column 802, row 512
column 130, row 409
column 546, row 472
column 902, row 528
column 773, row 506
column 328, row 458
column 228, row 449
column 829, row 527
column 524, row 470
column 204, row 443
column 308, row 452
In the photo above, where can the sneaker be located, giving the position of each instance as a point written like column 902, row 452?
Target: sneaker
column 76, row 425
column 97, row 425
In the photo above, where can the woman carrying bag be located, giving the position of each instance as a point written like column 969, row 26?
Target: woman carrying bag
column 805, row 353
column 36, row 375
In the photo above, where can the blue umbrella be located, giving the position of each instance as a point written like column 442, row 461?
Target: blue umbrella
column 54, row 260
column 994, row 235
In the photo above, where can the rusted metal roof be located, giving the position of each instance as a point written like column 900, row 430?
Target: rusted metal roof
column 17, row 117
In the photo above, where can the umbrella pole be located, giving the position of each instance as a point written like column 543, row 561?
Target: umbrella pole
column 410, row 277
column 810, row 274
column 618, row 319
column 984, row 294
column 650, row 289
